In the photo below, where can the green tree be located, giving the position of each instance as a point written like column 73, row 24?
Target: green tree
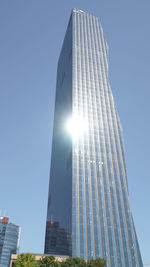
column 25, row 260
column 73, row 262
column 48, row 261
column 97, row 263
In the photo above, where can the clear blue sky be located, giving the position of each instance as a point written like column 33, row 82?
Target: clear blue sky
column 31, row 35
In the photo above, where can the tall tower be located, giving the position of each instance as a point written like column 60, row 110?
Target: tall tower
column 89, row 213
column 9, row 240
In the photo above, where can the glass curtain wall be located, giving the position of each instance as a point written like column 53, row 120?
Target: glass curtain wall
column 88, row 195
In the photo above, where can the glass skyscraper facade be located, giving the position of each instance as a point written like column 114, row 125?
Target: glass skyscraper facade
column 89, row 213
column 9, row 240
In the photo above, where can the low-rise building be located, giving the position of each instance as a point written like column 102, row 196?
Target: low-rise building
column 37, row 258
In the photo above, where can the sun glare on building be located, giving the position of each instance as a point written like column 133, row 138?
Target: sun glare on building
column 77, row 126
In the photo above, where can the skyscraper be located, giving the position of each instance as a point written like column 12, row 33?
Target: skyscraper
column 9, row 240
column 89, row 213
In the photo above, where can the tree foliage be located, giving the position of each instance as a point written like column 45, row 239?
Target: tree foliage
column 48, row 261
column 28, row 260
column 25, row 260
column 97, row 263
column 73, row 262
